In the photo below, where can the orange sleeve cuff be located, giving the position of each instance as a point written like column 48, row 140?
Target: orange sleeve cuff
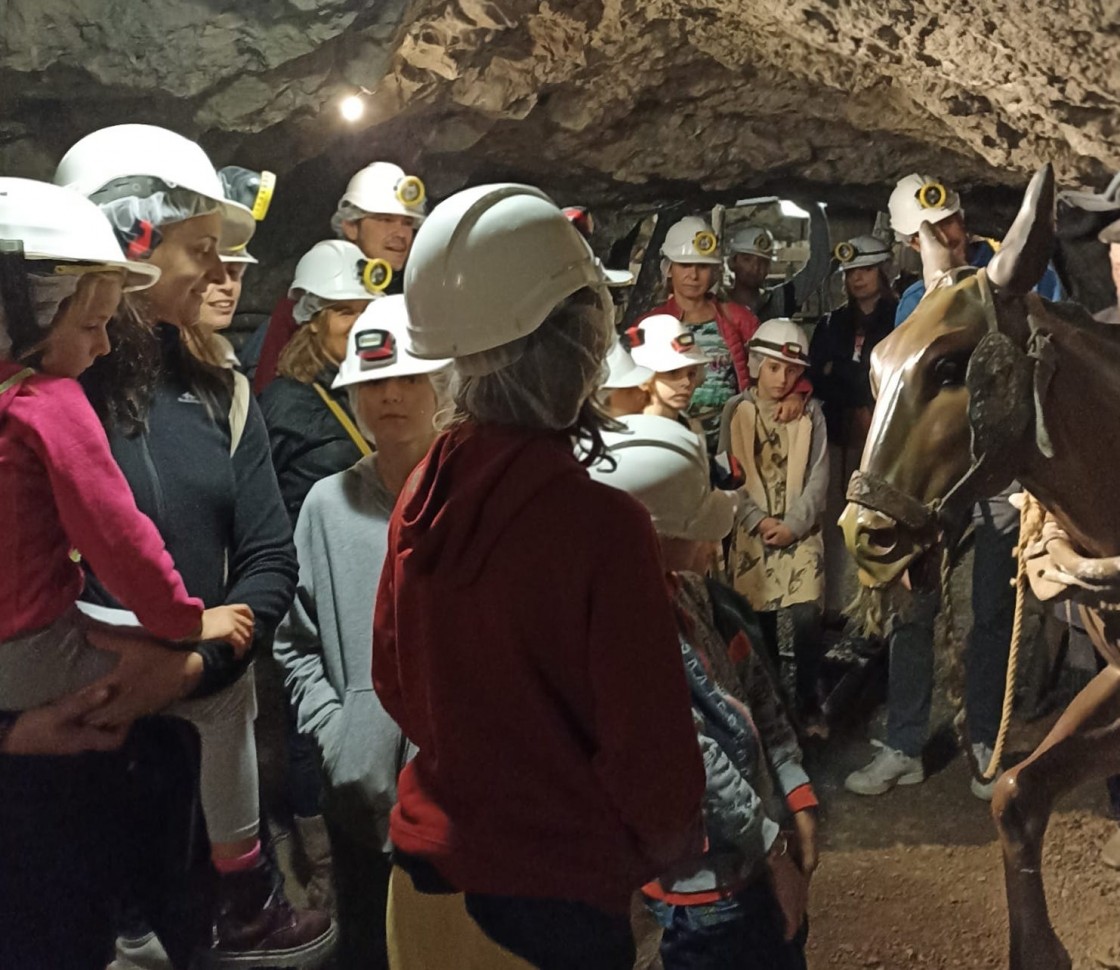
column 801, row 798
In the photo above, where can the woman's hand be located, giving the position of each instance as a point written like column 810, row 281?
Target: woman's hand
column 62, row 728
column 790, row 407
column 148, row 677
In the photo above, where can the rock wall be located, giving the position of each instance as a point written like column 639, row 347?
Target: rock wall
column 612, row 102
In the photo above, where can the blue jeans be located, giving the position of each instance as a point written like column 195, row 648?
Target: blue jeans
column 745, row 932
column 911, row 644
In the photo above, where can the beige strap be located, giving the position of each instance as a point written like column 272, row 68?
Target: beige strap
column 344, row 419
column 17, row 378
column 238, row 409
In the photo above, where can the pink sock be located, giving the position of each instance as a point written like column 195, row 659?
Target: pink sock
column 239, row 863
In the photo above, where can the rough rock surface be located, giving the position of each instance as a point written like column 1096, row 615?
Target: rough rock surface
column 610, row 101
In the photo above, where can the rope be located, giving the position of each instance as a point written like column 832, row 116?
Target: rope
column 1031, row 517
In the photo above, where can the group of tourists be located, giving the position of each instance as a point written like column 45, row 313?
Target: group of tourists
column 527, row 575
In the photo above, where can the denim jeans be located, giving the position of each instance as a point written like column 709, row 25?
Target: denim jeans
column 911, row 644
column 555, row 934
column 744, row 932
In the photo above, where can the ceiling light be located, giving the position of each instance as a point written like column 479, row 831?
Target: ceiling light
column 352, row 107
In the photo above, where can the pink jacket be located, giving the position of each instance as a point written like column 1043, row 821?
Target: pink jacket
column 61, row 489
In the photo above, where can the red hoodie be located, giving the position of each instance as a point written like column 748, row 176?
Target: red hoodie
column 59, row 489
column 523, row 639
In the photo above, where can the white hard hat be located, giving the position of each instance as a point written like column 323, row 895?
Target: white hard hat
column 665, row 467
column 383, row 188
column 662, row 343
column 917, row 199
column 336, row 270
column 781, row 339
column 862, row 251
column 488, row 267
column 691, row 240
column 754, row 240
column 622, row 371
column 118, row 162
column 378, row 346
column 57, row 224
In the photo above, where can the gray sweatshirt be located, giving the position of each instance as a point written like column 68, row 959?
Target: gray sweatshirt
column 325, row 646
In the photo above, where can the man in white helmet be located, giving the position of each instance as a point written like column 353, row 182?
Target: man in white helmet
column 379, row 212
column 921, row 198
column 750, row 254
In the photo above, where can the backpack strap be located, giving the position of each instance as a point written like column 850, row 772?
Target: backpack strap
column 238, row 409
column 17, row 378
column 344, row 419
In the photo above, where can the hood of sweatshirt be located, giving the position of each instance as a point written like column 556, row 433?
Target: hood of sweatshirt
column 474, row 482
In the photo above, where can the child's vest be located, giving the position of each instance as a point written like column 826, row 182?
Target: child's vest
column 775, row 460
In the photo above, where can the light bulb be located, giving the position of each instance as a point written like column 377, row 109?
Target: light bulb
column 351, row 107
column 791, row 210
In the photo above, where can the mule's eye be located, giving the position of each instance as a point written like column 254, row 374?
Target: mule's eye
column 950, row 371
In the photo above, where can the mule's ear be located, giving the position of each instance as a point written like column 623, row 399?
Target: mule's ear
column 1022, row 259
column 937, row 258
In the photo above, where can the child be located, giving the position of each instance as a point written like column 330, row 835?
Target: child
column 624, row 392
column 742, row 901
column 62, row 488
column 777, row 553
column 665, row 346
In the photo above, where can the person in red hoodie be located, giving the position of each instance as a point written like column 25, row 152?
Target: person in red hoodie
column 379, row 212
column 523, row 637
column 691, row 265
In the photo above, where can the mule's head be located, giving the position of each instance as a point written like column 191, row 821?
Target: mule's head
column 931, row 387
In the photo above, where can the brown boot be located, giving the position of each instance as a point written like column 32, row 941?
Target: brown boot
column 316, row 845
column 256, row 926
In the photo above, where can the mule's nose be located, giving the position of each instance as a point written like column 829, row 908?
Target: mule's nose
column 869, row 535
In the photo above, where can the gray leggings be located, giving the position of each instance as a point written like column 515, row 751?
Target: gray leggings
column 44, row 666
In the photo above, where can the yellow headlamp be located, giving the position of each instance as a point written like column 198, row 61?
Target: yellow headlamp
column 377, row 274
column 705, row 242
column 410, row 191
column 932, row 195
column 845, row 252
column 264, row 196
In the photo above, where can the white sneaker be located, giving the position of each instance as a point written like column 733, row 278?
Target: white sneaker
column 888, row 768
column 980, row 789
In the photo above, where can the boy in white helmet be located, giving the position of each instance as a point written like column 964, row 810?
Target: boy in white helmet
column 1110, row 236
column 740, row 902
column 379, row 212
column 777, row 554
column 921, row 198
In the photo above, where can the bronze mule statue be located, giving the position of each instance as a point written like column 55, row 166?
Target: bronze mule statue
column 986, row 383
